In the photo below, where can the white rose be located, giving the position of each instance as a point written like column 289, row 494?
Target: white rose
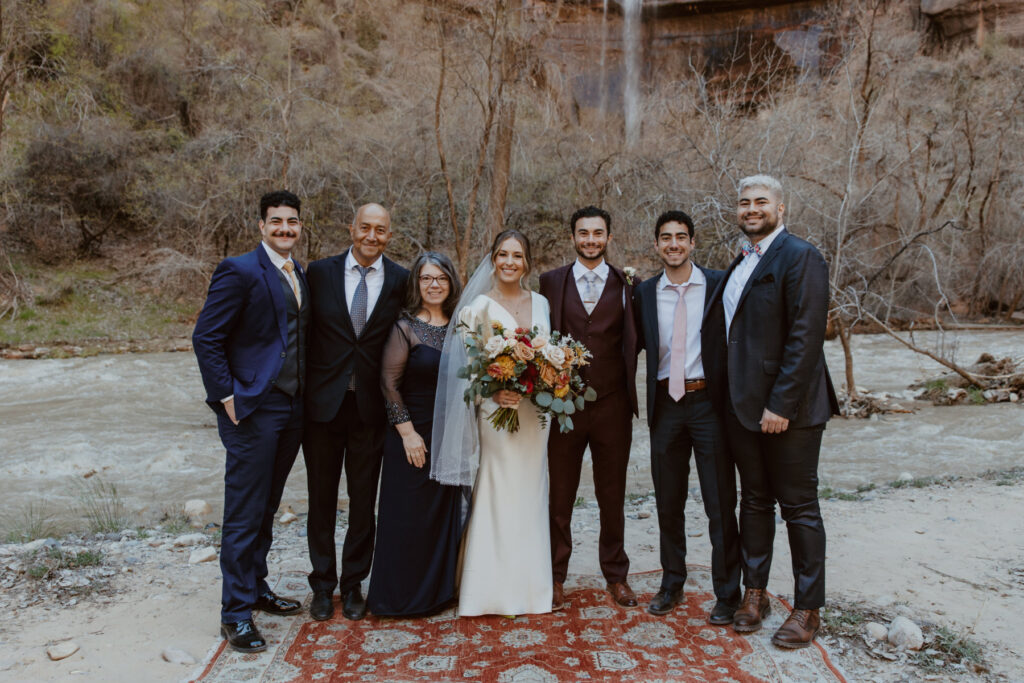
column 539, row 341
column 494, row 346
column 510, row 334
column 553, row 355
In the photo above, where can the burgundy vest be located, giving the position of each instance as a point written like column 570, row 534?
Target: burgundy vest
column 601, row 332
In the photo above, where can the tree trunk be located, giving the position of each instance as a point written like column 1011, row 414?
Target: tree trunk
column 501, row 167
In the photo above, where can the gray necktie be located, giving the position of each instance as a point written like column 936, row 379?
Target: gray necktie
column 359, row 301
column 590, row 291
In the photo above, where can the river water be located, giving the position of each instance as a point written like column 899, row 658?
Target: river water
column 139, row 422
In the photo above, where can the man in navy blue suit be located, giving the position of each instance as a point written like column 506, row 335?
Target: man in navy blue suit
column 250, row 341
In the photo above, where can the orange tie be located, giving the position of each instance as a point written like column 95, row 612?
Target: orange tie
column 289, row 268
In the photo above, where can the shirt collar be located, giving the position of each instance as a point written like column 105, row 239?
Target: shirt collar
column 601, row 270
column 351, row 263
column 696, row 278
column 275, row 258
column 767, row 241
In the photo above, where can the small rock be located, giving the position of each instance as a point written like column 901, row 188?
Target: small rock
column 34, row 545
column 905, row 634
column 206, row 554
column 643, row 515
column 61, row 650
column 876, row 631
column 177, row 656
column 196, row 510
column 288, row 518
column 1014, row 397
column 905, row 476
column 51, row 544
column 189, row 539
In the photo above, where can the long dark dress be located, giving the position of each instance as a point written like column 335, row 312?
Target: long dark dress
column 418, row 520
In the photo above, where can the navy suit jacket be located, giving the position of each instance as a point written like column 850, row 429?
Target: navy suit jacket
column 774, row 356
column 645, row 300
column 241, row 335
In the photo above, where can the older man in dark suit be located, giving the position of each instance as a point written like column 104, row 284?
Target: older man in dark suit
column 773, row 306
column 592, row 301
column 250, row 340
column 684, row 397
column 355, row 298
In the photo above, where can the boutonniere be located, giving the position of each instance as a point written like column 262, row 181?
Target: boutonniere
column 631, row 277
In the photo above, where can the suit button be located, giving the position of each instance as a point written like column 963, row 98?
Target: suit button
column 283, row 354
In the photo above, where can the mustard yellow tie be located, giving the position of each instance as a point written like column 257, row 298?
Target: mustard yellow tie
column 289, row 268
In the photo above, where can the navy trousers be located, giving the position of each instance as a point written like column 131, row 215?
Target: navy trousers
column 676, row 429
column 260, row 452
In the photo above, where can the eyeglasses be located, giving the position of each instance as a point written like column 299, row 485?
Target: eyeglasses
column 441, row 280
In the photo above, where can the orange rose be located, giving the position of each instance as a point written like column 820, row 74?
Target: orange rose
column 522, row 352
column 548, row 374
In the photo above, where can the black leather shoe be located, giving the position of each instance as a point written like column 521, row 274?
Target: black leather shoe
column 322, row 607
column 243, row 636
column 353, row 606
column 272, row 603
column 723, row 611
column 664, row 600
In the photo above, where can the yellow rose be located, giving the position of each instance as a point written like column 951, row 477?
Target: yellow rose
column 562, row 391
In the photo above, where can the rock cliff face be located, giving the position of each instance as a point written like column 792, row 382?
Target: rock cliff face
column 975, row 20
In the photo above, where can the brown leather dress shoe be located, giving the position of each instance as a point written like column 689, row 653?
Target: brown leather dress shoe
column 557, row 597
column 622, row 594
column 798, row 630
column 754, row 608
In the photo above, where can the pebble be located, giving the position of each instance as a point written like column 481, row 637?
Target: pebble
column 876, row 631
column 177, row 656
column 34, row 545
column 643, row 515
column 189, row 539
column 205, row 554
column 905, row 633
column 61, row 650
column 905, row 476
column 196, row 510
column 288, row 518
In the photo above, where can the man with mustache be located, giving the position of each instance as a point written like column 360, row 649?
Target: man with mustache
column 772, row 309
column 250, row 341
column 355, row 298
column 684, row 396
column 592, row 301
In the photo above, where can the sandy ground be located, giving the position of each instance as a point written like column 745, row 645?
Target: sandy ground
column 948, row 555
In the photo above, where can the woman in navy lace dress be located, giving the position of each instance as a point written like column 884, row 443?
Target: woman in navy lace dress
column 418, row 519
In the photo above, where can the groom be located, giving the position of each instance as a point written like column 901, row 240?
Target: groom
column 592, row 301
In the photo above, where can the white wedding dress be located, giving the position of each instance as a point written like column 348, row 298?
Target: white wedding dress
column 506, row 566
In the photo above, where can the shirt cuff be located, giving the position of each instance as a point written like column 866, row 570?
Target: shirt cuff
column 228, row 398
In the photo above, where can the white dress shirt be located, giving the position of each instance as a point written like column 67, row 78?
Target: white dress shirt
column 374, row 282
column 579, row 272
column 694, row 295
column 739, row 276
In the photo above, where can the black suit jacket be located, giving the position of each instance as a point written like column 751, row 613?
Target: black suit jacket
column 553, row 286
column 645, row 299
column 241, row 335
column 774, row 356
column 335, row 352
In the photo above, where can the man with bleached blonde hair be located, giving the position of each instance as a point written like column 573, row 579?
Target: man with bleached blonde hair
column 773, row 305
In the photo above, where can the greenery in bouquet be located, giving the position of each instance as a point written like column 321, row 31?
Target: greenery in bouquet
column 543, row 368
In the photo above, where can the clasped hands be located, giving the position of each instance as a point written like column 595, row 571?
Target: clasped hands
column 772, row 423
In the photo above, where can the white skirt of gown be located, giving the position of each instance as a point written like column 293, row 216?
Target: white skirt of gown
column 506, row 568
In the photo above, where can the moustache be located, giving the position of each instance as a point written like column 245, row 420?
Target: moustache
column 283, row 233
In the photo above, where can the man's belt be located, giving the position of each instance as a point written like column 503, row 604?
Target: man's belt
column 691, row 384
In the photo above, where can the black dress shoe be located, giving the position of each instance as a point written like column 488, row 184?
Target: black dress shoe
column 272, row 603
column 353, row 606
column 723, row 611
column 664, row 600
column 243, row 636
column 322, row 607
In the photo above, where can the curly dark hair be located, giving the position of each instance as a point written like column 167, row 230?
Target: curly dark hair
column 278, row 198
column 590, row 212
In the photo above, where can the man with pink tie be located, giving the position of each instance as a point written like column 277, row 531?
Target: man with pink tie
column 683, row 408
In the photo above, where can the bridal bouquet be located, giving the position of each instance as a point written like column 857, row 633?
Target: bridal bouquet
column 544, row 368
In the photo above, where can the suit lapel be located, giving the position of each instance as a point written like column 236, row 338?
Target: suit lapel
column 338, row 280
column 561, row 291
column 273, row 283
column 650, row 312
column 762, row 266
column 390, row 282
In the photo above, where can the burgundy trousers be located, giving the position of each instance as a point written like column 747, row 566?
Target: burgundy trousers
column 606, row 425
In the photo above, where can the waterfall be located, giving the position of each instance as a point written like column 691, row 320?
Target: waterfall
column 631, row 28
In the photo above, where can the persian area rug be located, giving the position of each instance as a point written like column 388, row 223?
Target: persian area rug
column 592, row 639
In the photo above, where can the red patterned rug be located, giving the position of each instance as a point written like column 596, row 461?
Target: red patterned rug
column 593, row 639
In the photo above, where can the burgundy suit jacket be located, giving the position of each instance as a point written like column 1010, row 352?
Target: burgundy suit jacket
column 558, row 283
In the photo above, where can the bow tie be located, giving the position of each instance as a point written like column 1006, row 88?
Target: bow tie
column 749, row 248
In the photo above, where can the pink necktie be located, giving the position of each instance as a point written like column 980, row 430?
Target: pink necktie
column 677, row 368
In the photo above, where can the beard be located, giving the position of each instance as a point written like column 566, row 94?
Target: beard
column 600, row 254
column 768, row 224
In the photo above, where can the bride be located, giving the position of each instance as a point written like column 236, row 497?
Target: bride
column 506, row 566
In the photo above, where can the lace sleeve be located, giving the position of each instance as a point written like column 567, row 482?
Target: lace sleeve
column 392, row 368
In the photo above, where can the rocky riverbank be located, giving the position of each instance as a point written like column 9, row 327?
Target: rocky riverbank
column 916, row 592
